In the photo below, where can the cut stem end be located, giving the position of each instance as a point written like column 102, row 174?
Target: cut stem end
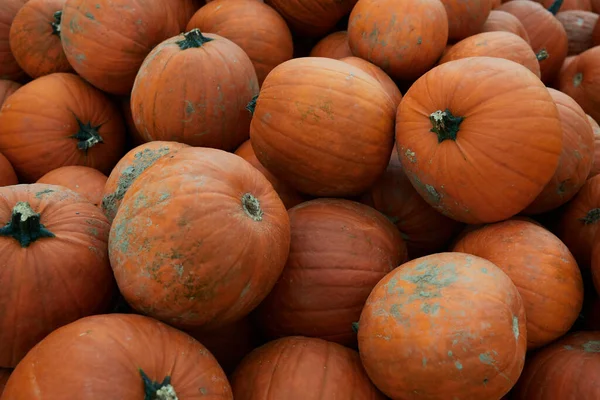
column 445, row 125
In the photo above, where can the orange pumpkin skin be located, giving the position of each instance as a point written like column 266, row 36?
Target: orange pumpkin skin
column 121, row 346
column 322, row 292
column 128, row 169
column 6, row 89
column 505, row 22
column 4, row 375
column 86, row 181
column 59, row 120
column 541, row 267
column 575, row 160
column 417, row 45
column 451, row 319
column 567, row 369
column 596, row 162
column 7, row 173
column 350, row 127
column 495, row 44
column 189, row 282
column 578, row 80
column 579, row 26
column 207, row 79
column 292, row 368
column 466, row 17
column 9, row 68
column 595, row 6
column 334, row 45
column 289, row 196
column 95, row 33
column 36, row 269
column 35, row 38
column 531, row 138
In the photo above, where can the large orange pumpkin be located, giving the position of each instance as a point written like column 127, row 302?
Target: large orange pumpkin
column 334, row 45
column 596, row 163
column 199, row 239
column 445, row 326
column 504, row 22
column 300, row 368
column 466, row 17
column 9, row 68
column 7, row 173
column 60, row 120
column 6, row 89
column 54, row 264
column 579, row 26
column 86, row 181
column 128, row 357
column 479, row 150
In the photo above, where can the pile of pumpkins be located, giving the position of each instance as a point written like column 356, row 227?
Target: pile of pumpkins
column 299, row 199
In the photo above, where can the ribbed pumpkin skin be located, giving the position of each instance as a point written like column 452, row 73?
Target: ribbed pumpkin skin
column 541, row 267
column 386, row 82
column 333, row 142
column 6, row 89
column 9, row 68
column 505, row 150
column 504, row 22
column 62, row 278
column 334, row 45
column 596, row 163
column 445, row 326
column 172, row 247
column 300, row 368
column 7, row 173
column 120, row 346
column 322, row 291
column 579, row 26
column 466, row 17
column 86, row 181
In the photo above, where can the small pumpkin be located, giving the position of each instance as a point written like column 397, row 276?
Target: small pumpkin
column 579, row 26
column 7, row 173
column 6, row 89
column 9, row 68
column 86, row 181
column 578, row 80
column 596, row 162
column 466, row 17
column 504, row 22
column 335, row 45
column 386, row 82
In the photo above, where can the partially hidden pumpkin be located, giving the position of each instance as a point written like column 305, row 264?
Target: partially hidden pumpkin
column 9, row 68
column 504, row 22
column 579, row 26
column 466, row 17
column 6, row 89
column 7, row 173
column 335, row 45
column 86, row 181
column 595, row 170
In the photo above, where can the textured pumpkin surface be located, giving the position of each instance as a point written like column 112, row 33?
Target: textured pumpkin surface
column 492, row 163
column 579, row 26
column 200, row 86
column 86, row 181
column 504, row 22
column 35, row 38
column 541, row 267
column 449, row 325
column 334, row 45
column 386, row 82
column 128, row 169
column 339, row 250
column 199, row 239
column 466, row 17
column 567, row 369
column 49, row 281
column 121, row 346
column 7, row 173
column 9, row 69
column 348, row 128
column 6, row 89
column 254, row 26
column 59, row 120
column 300, row 368
column 4, row 374
column 579, row 80
column 596, row 163
column 418, row 42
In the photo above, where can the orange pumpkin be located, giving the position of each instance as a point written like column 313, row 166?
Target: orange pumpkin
column 481, row 151
column 386, row 82
column 7, row 173
column 451, row 319
column 579, row 26
column 466, row 17
column 578, row 80
column 334, row 45
column 6, row 89
column 86, row 181
column 505, row 22
column 596, row 162
column 9, row 68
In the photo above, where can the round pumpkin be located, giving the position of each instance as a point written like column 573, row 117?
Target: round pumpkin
column 9, row 68
column 596, row 162
column 133, row 356
column 504, row 22
column 86, row 181
column 419, row 39
column 7, row 173
column 54, row 265
column 194, row 89
column 340, row 249
column 479, row 150
column 451, row 319
column 334, row 45
column 35, row 38
column 254, row 26
column 4, row 375
column 301, row 368
column 579, row 26
column 333, row 142
column 128, row 169
column 6, row 89
column 386, row 82
column 59, row 120
column 466, row 17
column 199, row 240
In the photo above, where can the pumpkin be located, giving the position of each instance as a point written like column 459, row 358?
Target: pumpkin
column 418, row 41
column 9, row 68
column 35, row 38
column 495, row 44
column 340, row 249
column 567, row 369
column 86, row 181
column 59, row 120
column 575, row 160
column 199, row 86
column 106, row 41
column 301, row 368
column 54, row 265
column 128, row 169
column 334, row 45
column 324, row 143
column 469, row 174
column 579, row 26
column 595, row 6
column 504, row 22
column 541, row 267
column 137, row 355
column 6, row 89
column 578, row 80
column 254, row 26
column 466, row 17
column 4, row 375
column 171, row 244
column 596, row 162
column 545, row 33
column 7, row 173
column 289, row 196
column 449, row 318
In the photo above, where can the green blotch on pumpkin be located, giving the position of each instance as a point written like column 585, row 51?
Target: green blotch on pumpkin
column 458, row 365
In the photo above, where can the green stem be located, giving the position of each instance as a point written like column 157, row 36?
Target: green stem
column 555, row 7
column 56, row 23
column 252, row 105
column 577, row 79
column 25, row 226
column 193, row 40
column 542, row 55
column 591, row 217
column 87, row 135
column 251, row 206
column 154, row 390
column 355, row 327
column 445, row 125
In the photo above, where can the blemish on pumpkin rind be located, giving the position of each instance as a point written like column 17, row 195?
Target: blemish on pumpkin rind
column 411, row 155
column 515, row 326
column 458, row 365
column 41, row 194
column 593, row 346
column 486, row 358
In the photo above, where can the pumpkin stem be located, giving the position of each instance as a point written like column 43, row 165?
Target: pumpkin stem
column 555, row 7
column 591, row 217
column 56, row 23
column 193, row 40
column 542, row 55
column 87, row 135
column 445, row 125
column 355, row 327
column 251, row 206
column 577, row 79
column 158, row 390
column 25, row 225
column 252, row 105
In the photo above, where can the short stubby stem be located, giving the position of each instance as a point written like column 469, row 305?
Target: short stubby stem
column 251, row 206
column 555, row 7
column 56, row 23
column 87, row 135
column 445, row 125
column 542, row 55
column 252, row 105
column 154, row 390
column 25, row 226
column 577, row 79
column 193, row 39
column 591, row 217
